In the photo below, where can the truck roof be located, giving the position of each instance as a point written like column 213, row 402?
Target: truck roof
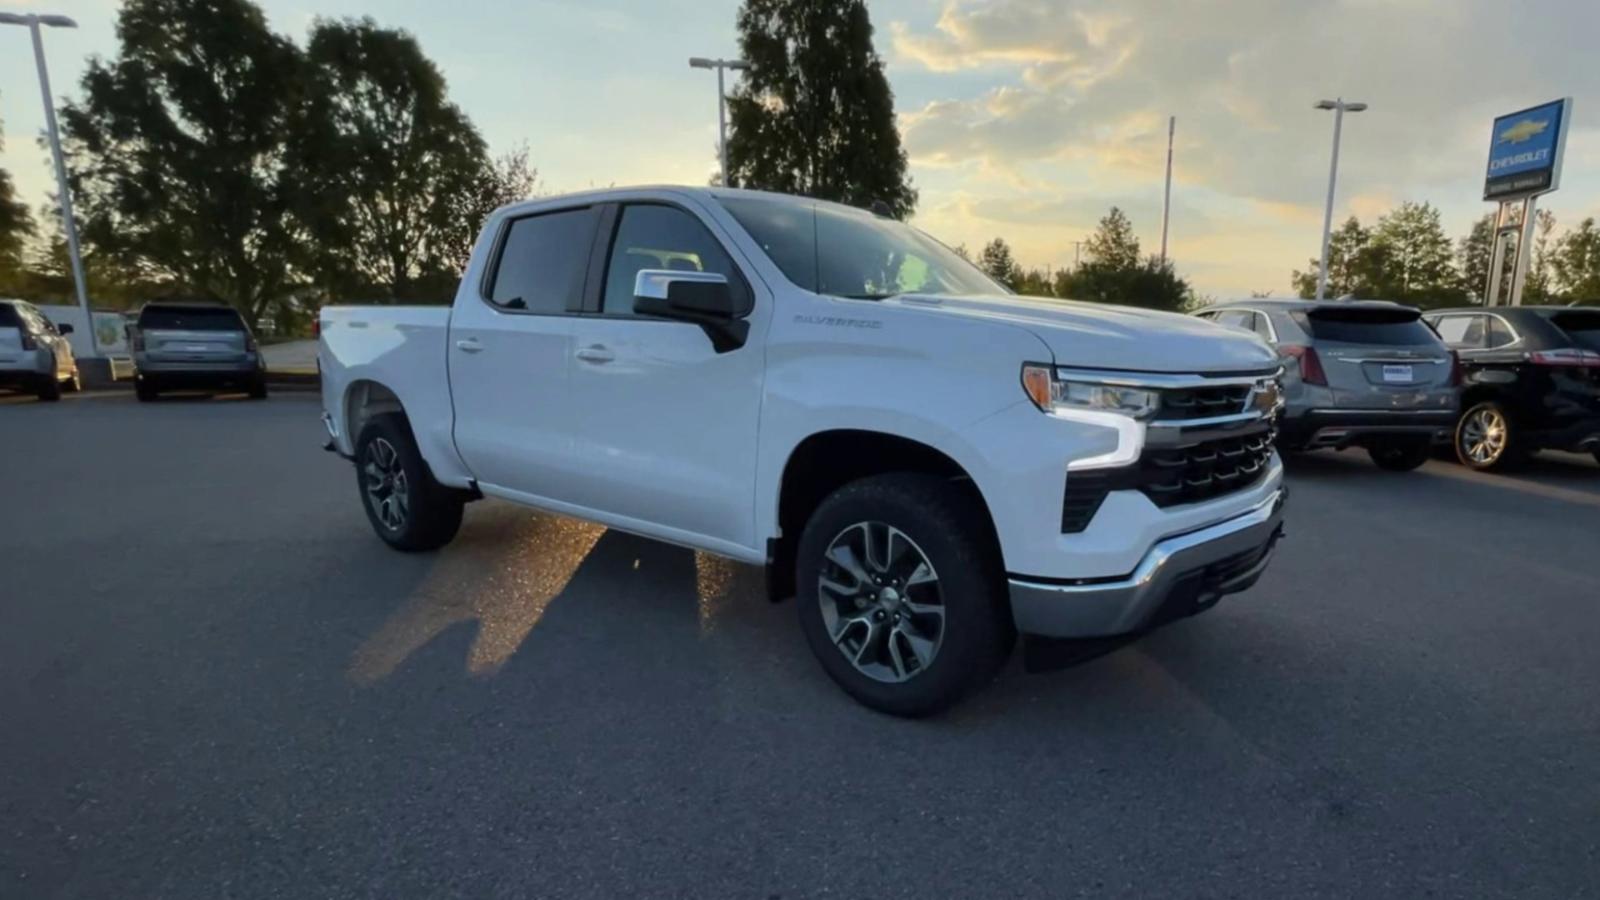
column 601, row 195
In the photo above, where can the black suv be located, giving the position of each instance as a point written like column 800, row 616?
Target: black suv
column 1532, row 380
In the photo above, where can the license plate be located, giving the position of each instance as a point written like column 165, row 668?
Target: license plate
column 201, row 348
column 1397, row 375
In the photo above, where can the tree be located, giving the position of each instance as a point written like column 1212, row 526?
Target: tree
column 383, row 162
column 814, row 114
column 1034, row 282
column 1351, row 269
column 1114, row 273
column 1575, row 263
column 180, row 148
column 1113, row 245
column 1418, row 265
column 996, row 260
column 16, row 226
column 506, row 179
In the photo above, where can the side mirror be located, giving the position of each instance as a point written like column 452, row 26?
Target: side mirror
column 702, row 298
column 64, row 329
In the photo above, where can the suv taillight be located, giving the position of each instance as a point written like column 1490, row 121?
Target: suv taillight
column 28, row 343
column 249, row 342
column 1310, row 364
column 1570, row 356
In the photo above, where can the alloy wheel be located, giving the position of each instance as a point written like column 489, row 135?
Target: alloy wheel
column 881, row 602
column 388, row 491
column 1483, row 435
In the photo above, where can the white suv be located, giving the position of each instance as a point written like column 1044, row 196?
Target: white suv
column 928, row 462
column 34, row 352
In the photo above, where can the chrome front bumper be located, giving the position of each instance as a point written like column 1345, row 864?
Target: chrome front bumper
column 1180, row 575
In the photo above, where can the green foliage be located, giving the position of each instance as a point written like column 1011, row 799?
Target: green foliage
column 1575, row 263
column 179, row 148
column 1406, row 258
column 996, row 260
column 16, row 225
column 814, row 114
column 1114, row 273
column 1035, row 283
column 381, row 163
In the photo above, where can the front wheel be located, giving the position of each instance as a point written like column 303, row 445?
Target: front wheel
column 901, row 593
column 1401, row 455
column 74, row 384
column 406, row 507
column 1484, row 437
column 49, row 388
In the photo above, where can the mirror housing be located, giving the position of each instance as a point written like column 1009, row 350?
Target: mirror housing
column 63, row 329
column 701, row 298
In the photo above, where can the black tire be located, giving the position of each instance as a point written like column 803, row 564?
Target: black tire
column 258, row 389
column 1510, row 449
column 144, row 390
column 948, row 527
column 428, row 514
column 74, row 384
column 1401, row 455
column 49, row 390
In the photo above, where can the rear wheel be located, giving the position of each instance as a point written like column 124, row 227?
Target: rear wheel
column 49, row 389
column 258, row 389
column 144, row 390
column 1485, row 438
column 406, row 507
column 901, row 593
column 73, row 384
column 1401, row 454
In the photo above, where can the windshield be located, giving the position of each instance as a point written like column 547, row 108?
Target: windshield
column 1582, row 326
column 843, row 252
column 190, row 318
column 1394, row 327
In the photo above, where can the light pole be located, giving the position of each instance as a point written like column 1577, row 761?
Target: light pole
column 1166, row 200
column 1339, row 107
column 721, row 65
column 67, row 221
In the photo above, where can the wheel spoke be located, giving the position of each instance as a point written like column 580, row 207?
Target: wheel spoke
column 922, row 574
column 838, row 588
column 869, row 644
column 923, row 609
column 844, row 557
column 921, row 647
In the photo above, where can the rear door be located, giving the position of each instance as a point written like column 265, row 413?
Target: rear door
column 510, row 348
column 1379, row 357
column 193, row 334
column 11, row 329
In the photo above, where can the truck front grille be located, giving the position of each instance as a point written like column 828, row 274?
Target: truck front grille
column 1182, row 404
column 1173, row 475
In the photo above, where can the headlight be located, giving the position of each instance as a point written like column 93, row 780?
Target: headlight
column 1056, row 395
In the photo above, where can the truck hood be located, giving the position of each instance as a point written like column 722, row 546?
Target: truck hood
column 1102, row 336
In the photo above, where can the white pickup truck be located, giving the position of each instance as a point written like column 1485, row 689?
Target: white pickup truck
column 931, row 462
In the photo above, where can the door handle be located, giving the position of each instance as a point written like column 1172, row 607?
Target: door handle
column 469, row 345
column 597, row 354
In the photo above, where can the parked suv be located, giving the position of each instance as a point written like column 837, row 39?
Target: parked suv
column 34, row 352
column 928, row 462
column 1359, row 373
column 1532, row 380
column 194, row 345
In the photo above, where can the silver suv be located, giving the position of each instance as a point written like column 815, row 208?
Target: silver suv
column 1362, row 373
column 194, row 345
column 34, row 352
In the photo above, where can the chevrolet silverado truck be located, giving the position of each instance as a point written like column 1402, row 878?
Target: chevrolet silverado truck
column 932, row 463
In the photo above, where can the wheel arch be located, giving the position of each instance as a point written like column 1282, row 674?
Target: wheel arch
column 365, row 399
column 827, row 460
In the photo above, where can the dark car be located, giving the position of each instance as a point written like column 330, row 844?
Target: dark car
column 1532, row 377
column 195, row 345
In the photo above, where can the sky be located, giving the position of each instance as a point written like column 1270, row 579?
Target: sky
column 1024, row 119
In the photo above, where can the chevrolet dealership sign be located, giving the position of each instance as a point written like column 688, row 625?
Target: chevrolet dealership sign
column 1525, row 151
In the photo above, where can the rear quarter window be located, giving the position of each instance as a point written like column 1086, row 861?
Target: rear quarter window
column 1582, row 326
column 168, row 318
column 1383, row 327
column 9, row 317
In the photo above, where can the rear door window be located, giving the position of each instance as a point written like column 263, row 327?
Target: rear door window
column 542, row 262
column 1264, row 327
column 196, row 318
column 1367, row 325
column 1238, row 318
column 1500, row 334
column 1582, row 326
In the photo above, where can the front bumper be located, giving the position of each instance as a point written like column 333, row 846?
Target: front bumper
column 1341, row 428
column 1180, row 575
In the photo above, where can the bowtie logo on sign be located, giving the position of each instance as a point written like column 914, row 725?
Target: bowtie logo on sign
column 1523, row 131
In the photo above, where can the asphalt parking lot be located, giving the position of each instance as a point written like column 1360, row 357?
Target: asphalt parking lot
column 215, row 682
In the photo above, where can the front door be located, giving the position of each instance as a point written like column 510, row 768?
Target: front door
column 666, row 423
column 510, row 351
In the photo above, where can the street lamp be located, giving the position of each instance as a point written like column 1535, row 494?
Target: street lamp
column 1339, row 107
column 721, row 65
column 68, row 222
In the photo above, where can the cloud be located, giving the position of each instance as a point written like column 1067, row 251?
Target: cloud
column 1092, row 83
